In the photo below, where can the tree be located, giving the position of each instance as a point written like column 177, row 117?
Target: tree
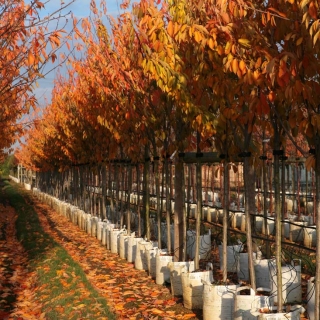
column 28, row 44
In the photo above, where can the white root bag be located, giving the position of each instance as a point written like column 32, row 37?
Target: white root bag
column 233, row 256
column 218, row 301
column 162, row 269
column 294, row 314
column 311, row 297
column 291, row 282
column 176, row 269
column 192, row 288
column 246, row 306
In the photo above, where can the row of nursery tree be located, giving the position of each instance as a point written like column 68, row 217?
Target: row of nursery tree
column 29, row 44
column 167, row 77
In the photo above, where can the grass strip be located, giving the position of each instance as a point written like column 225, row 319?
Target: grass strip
column 62, row 286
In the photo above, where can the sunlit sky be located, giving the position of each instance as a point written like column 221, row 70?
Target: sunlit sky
column 80, row 9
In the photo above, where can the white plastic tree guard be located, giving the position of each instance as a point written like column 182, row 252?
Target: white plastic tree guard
column 68, row 211
column 176, row 269
column 311, row 297
column 61, row 207
column 212, row 215
column 233, row 255
column 270, row 226
column 262, row 271
column 82, row 219
column 86, row 217
column 115, row 240
column 243, row 223
column 243, row 270
column 94, row 226
column 218, row 301
column 204, row 245
column 220, row 217
column 133, row 198
column 286, row 226
column 192, row 288
column 88, row 228
column 308, row 219
column 291, row 281
column 205, row 212
column 236, row 219
column 141, row 262
column 27, row 186
column 294, row 314
column 246, row 306
column 164, row 233
column 55, row 205
column 104, row 233
column 123, row 239
column 193, row 210
column 162, row 269
column 259, row 224
column 99, row 230
column 110, row 227
column 74, row 215
column 296, row 231
column 132, row 248
column 310, row 236
column 151, row 257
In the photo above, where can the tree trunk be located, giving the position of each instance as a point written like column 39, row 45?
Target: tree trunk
column 193, row 185
column 116, row 182
column 199, row 203
column 94, row 190
column 294, row 178
column 110, row 187
column 198, row 213
column 168, row 209
column 307, row 190
column 271, row 209
column 185, row 221
column 283, row 195
column 104, row 191
column 178, row 211
column 265, row 211
column 86, row 182
column 146, row 193
column 226, row 181
column 128, row 199
column 317, row 222
column 159, row 213
column 249, row 188
column 189, row 194
column 298, row 189
column 276, row 177
column 138, row 201
column 122, row 195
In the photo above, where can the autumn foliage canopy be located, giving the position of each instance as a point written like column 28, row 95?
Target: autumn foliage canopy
column 28, row 44
column 162, row 70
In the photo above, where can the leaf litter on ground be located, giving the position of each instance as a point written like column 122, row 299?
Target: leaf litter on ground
column 57, row 247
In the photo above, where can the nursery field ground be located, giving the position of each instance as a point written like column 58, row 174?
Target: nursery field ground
column 50, row 269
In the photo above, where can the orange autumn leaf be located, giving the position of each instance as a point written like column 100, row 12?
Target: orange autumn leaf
column 157, row 311
column 188, row 316
column 154, row 294
column 158, row 302
column 130, row 299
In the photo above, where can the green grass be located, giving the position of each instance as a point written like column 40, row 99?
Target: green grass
column 62, row 285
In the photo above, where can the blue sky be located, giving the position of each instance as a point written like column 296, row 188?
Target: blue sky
column 80, row 9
